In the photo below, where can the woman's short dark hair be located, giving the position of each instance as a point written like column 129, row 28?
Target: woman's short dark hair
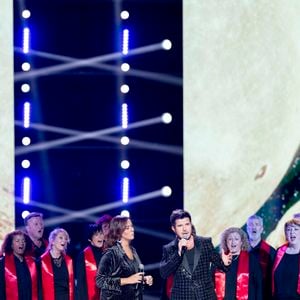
column 7, row 243
column 179, row 214
column 93, row 229
column 116, row 229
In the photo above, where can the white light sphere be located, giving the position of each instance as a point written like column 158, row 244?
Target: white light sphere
column 26, row 13
column 25, row 87
column 26, row 66
column 124, row 14
column 125, row 213
column 25, row 163
column 125, row 140
column 166, row 44
column 124, row 88
column 166, row 118
column 166, row 191
column 125, row 67
column 26, row 141
column 125, row 164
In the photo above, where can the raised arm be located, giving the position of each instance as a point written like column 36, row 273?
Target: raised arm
column 170, row 261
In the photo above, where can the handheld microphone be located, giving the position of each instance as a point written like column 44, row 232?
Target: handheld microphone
column 141, row 269
column 185, row 236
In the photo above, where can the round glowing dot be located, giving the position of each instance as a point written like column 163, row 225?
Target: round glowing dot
column 125, row 213
column 25, row 88
column 125, row 140
column 124, row 88
column 166, row 44
column 25, row 213
column 26, row 66
column 124, row 15
column 125, row 67
column 125, row 164
column 166, row 191
column 26, row 13
column 26, row 141
column 166, row 118
column 25, row 163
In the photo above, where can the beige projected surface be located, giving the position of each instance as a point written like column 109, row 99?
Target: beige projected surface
column 241, row 106
column 7, row 205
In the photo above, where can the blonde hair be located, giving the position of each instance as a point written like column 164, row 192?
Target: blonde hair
column 53, row 234
column 245, row 243
column 291, row 222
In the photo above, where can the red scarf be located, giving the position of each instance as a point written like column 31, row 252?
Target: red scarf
column 242, row 279
column 169, row 285
column 11, row 280
column 48, row 280
column 264, row 257
column 91, row 271
column 279, row 255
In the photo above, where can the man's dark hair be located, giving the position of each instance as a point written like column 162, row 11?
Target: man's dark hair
column 32, row 215
column 179, row 214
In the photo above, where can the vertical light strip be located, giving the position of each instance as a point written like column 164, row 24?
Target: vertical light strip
column 26, row 115
column 26, row 190
column 125, row 192
column 124, row 115
column 26, row 39
column 125, row 41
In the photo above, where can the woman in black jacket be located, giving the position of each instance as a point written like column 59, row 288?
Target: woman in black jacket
column 120, row 274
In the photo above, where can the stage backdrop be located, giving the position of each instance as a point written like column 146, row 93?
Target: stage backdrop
column 241, row 107
column 7, row 204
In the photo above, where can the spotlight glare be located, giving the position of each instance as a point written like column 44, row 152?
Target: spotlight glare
column 26, row 190
column 125, row 67
column 26, row 141
column 26, row 13
column 26, row 66
column 166, row 118
column 124, row 115
column 124, row 140
column 125, row 213
column 26, row 115
column 25, row 163
column 166, row 44
column 124, row 15
column 124, row 88
column 125, row 191
column 125, row 164
column 125, row 41
column 166, row 191
column 25, row 87
column 26, row 39
column 25, row 213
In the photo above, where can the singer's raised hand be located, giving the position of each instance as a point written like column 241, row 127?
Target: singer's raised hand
column 227, row 258
column 182, row 244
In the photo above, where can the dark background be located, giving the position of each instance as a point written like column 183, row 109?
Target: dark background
column 86, row 174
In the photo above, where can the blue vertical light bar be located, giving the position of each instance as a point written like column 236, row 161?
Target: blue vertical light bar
column 26, row 190
column 125, row 41
column 26, row 39
column 124, row 115
column 26, row 115
column 125, row 191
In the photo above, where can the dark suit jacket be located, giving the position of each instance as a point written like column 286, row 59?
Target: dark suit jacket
column 191, row 284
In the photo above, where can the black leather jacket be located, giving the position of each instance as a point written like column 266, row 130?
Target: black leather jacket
column 114, row 265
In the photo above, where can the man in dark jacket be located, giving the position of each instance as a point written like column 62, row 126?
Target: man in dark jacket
column 187, row 260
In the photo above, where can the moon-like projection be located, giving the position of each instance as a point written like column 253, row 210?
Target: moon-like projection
column 7, row 202
column 241, row 106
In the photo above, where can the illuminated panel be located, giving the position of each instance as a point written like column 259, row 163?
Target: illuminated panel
column 7, row 203
column 241, row 107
